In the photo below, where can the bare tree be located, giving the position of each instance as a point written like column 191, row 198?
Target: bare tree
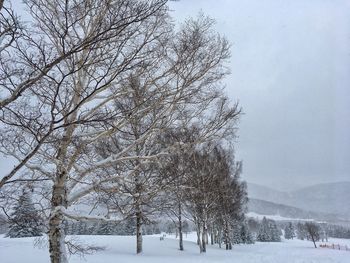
column 177, row 169
column 200, row 194
column 313, row 232
column 161, row 106
column 119, row 37
column 215, row 197
column 63, row 36
column 53, row 128
column 10, row 27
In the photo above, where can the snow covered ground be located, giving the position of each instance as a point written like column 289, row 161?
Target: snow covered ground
column 337, row 241
column 122, row 249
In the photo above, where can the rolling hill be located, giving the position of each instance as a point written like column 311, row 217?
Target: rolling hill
column 269, row 208
column 330, row 202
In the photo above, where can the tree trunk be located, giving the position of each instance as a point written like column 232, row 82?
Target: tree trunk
column 313, row 240
column 205, row 232
column 227, row 241
column 181, row 245
column 198, row 233
column 198, row 238
column 138, row 209
column 204, row 241
column 199, row 241
column 204, row 237
column 138, row 232
column 57, row 247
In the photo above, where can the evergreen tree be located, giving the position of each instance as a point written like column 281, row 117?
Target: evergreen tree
column 74, row 228
column 236, row 234
column 274, row 231
column 170, row 227
column 92, row 228
column 301, row 231
column 126, row 228
column 66, row 227
column 185, row 227
column 263, row 232
column 253, row 225
column 289, row 231
column 25, row 220
column 82, row 228
column 268, row 231
column 337, row 231
column 106, row 228
column 246, row 235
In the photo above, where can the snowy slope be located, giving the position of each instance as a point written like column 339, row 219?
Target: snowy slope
column 326, row 199
column 270, row 208
column 121, row 249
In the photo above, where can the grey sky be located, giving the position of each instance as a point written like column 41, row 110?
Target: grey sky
column 291, row 73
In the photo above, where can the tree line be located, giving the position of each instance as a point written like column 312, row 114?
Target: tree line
column 112, row 113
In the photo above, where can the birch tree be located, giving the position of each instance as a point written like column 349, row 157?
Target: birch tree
column 53, row 128
column 200, row 196
column 10, row 27
column 136, row 143
column 58, row 107
column 176, row 170
column 215, row 196
column 61, row 32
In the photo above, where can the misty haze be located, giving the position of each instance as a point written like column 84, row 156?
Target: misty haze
column 174, row 131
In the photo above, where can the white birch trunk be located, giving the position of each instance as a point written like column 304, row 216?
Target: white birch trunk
column 138, row 232
column 181, row 245
column 204, row 240
column 57, row 247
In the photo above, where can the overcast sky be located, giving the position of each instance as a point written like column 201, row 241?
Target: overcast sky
column 291, row 73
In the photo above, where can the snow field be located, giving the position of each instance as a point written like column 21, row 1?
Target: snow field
column 122, row 249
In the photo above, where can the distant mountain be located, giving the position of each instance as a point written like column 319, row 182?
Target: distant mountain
column 330, row 198
column 274, row 209
column 265, row 193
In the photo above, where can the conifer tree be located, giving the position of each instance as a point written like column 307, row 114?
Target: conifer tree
column 236, row 233
column 106, row 228
column 82, row 228
column 92, row 228
column 268, row 231
column 301, row 231
column 25, row 220
column 275, row 232
column 185, row 227
column 246, row 234
column 263, row 232
column 289, row 231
